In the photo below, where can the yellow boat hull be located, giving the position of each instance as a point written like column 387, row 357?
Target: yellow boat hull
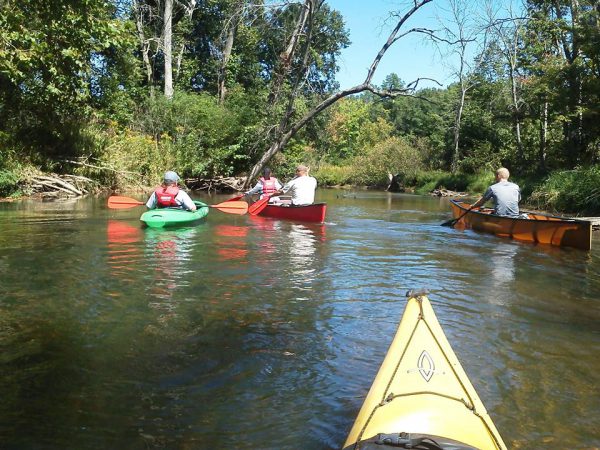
column 421, row 388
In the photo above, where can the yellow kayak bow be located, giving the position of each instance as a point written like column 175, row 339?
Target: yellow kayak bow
column 421, row 396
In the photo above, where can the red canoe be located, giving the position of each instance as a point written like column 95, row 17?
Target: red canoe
column 542, row 228
column 304, row 213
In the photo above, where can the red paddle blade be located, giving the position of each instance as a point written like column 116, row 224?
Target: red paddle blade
column 232, row 207
column 257, row 207
column 118, row 202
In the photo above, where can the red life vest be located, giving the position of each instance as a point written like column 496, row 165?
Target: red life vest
column 165, row 196
column 268, row 186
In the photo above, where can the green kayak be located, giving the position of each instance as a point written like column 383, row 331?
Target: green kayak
column 168, row 217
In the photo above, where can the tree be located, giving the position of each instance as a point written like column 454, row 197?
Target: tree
column 156, row 28
column 508, row 37
column 562, row 54
column 48, row 51
column 287, row 129
column 460, row 35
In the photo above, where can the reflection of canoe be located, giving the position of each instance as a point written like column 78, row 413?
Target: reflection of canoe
column 166, row 217
column 304, row 213
column 422, row 389
column 541, row 228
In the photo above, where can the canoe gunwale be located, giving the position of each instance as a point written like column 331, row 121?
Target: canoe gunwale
column 558, row 219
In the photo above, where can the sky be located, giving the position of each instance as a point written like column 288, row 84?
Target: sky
column 410, row 58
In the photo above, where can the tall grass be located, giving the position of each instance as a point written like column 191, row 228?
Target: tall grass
column 575, row 191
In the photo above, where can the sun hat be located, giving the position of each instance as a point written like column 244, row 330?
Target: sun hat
column 171, row 177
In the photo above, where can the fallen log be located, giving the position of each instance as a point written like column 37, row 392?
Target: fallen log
column 56, row 183
column 53, row 185
column 447, row 193
column 218, row 184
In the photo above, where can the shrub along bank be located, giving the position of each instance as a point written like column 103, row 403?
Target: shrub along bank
column 572, row 192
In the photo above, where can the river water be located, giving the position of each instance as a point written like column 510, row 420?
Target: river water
column 246, row 332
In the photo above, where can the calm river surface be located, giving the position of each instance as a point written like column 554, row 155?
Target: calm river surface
column 246, row 332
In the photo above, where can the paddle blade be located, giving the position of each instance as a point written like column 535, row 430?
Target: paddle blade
column 257, row 207
column 449, row 223
column 232, row 207
column 118, row 202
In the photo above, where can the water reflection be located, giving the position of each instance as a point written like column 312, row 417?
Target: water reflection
column 503, row 265
column 231, row 242
column 304, row 239
column 123, row 247
column 167, row 251
column 266, row 227
column 285, row 340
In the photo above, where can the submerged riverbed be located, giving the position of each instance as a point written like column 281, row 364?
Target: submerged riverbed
column 248, row 332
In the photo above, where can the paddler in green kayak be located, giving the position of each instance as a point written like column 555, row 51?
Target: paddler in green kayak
column 168, row 195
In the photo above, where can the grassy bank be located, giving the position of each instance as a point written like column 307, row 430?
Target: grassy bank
column 573, row 191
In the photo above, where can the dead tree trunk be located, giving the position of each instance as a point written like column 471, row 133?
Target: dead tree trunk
column 144, row 44
column 229, row 32
column 168, row 47
column 189, row 8
column 543, row 136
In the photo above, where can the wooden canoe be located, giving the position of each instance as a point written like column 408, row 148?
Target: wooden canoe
column 538, row 228
column 304, row 213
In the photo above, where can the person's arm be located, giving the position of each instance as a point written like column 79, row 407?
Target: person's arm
column 486, row 196
column 151, row 203
column 284, row 190
column 186, row 201
column 257, row 189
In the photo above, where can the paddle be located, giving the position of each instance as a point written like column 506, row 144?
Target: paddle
column 229, row 207
column 452, row 222
column 257, row 207
column 118, row 202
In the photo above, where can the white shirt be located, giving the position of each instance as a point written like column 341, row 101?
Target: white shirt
column 302, row 189
column 182, row 199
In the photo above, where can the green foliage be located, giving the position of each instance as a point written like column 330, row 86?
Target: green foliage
column 426, row 181
column 47, row 53
column 8, row 182
column 391, row 156
column 73, row 86
column 333, row 175
column 569, row 191
column 201, row 135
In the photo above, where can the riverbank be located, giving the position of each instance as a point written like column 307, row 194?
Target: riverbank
column 573, row 193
